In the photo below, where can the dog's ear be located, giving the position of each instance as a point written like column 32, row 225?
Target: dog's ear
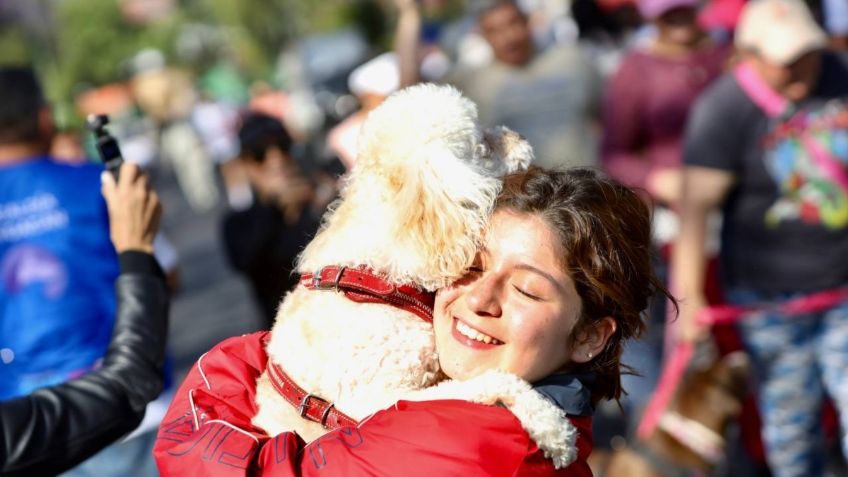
column 417, row 150
column 503, row 151
column 443, row 208
column 705, row 356
column 738, row 367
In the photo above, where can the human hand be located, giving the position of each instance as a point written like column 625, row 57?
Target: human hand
column 134, row 209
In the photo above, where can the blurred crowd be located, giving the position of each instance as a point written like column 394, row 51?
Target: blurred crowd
column 728, row 118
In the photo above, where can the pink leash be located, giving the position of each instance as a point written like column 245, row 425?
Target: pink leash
column 715, row 315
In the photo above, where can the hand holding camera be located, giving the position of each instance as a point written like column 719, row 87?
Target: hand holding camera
column 134, row 209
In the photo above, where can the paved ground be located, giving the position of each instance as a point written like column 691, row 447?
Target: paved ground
column 213, row 302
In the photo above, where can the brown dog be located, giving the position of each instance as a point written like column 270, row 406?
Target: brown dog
column 689, row 439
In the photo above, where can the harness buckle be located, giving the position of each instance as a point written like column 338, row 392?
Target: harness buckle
column 334, row 285
column 304, row 403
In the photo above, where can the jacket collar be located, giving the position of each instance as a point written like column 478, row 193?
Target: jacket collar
column 569, row 392
column 542, row 417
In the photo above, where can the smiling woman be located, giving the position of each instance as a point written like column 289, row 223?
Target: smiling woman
column 558, row 287
column 532, row 335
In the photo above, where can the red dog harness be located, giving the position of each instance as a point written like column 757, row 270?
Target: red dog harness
column 308, row 405
column 362, row 286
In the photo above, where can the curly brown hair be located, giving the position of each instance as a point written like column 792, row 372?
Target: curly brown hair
column 604, row 230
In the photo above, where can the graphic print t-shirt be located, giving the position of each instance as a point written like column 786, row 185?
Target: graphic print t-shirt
column 807, row 192
column 57, row 274
column 786, row 219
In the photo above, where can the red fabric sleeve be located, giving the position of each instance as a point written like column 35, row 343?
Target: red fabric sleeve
column 207, row 429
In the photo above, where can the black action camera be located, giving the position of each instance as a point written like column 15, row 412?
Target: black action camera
column 107, row 146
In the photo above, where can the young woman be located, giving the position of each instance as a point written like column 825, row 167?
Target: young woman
column 557, row 288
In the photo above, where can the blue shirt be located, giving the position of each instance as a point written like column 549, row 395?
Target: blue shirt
column 569, row 392
column 57, row 273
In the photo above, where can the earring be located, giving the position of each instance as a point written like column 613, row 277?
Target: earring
column 589, row 354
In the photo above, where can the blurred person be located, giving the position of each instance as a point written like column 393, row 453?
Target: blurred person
column 606, row 28
column 371, row 83
column 55, row 254
column 550, row 96
column 647, row 101
column 56, row 427
column 767, row 144
column 263, row 240
column 835, row 14
column 645, row 109
column 56, row 262
column 216, row 123
column 67, row 146
column 167, row 96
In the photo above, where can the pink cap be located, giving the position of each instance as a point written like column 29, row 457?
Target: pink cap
column 653, row 9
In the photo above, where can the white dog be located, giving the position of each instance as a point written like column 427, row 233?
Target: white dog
column 413, row 211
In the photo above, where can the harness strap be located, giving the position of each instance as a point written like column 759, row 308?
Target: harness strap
column 309, row 405
column 362, row 285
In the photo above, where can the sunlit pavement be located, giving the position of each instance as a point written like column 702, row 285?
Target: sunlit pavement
column 212, row 303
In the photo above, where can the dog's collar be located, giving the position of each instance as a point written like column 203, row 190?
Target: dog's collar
column 308, row 405
column 364, row 286
column 703, row 441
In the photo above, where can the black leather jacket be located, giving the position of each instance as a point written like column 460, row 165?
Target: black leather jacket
column 56, row 428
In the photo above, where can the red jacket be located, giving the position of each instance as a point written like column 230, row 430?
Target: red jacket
column 207, row 431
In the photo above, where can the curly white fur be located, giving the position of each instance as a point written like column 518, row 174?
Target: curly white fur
column 414, row 209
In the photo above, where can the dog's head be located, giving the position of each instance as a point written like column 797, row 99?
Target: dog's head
column 714, row 386
column 713, row 389
column 432, row 174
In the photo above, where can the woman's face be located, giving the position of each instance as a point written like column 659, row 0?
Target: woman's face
column 679, row 26
column 514, row 310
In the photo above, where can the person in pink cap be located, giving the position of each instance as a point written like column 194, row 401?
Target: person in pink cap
column 768, row 145
column 647, row 100
column 645, row 108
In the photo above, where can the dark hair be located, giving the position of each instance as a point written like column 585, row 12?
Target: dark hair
column 604, row 229
column 259, row 131
column 21, row 100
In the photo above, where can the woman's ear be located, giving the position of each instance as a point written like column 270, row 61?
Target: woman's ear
column 590, row 342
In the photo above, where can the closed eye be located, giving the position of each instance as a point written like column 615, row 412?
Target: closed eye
column 528, row 295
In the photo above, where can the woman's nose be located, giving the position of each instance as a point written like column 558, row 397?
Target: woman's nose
column 483, row 297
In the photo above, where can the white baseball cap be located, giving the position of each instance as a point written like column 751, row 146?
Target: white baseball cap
column 780, row 31
column 380, row 75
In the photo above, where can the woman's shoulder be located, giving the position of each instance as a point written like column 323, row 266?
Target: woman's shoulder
column 483, row 436
column 497, row 404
